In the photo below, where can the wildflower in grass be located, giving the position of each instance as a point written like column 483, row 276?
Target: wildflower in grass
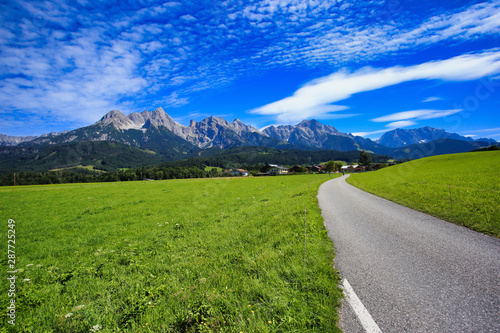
column 79, row 307
column 28, row 265
column 68, row 315
column 26, row 280
column 95, row 328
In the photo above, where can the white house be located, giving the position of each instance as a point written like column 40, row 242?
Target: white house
column 345, row 167
column 278, row 170
column 240, row 172
column 352, row 168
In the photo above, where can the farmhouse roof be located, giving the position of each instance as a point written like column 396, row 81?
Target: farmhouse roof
column 350, row 166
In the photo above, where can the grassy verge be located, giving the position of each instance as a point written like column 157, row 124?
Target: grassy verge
column 210, row 255
column 460, row 188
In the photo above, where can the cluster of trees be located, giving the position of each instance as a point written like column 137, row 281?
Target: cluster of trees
column 490, row 148
column 79, row 175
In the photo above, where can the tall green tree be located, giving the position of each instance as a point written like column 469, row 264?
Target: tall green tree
column 330, row 166
column 365, row 159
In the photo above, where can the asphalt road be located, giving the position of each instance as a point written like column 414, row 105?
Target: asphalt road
column 411, row 272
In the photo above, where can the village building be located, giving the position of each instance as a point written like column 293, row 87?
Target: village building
column 316, row 168
column 297, row 168
column 278, row 170
column 353, row 168
column 240, row 172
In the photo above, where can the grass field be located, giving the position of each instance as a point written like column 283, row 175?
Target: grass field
column 461, row 188
column 205, row 255
column 208, row 168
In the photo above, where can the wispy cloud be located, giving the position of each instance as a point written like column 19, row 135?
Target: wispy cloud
column 388, row 127
column 401, row 124
column 432, row 99
column 497, row 129
column 316, row 97
column 77, row 60
column 416, row 115
column 363, row 134
column 486, row 132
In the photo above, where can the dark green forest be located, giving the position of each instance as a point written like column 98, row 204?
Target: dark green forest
column 111, row 155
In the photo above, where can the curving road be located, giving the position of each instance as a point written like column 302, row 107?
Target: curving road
column 410, row 272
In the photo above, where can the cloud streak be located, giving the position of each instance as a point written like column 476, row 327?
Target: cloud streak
column 76, row 60
column 417, row 115
column 316, row 97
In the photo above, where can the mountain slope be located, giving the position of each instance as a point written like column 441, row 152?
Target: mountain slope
column 403, row 137
column 136, row 129
column 307, row 133
column 104, row 155
column 160, row 139
column 437, row 147
column 311, row 133
column 237, row 157
column 7, row 140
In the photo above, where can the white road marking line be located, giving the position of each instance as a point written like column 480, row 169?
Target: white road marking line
column 362, row 313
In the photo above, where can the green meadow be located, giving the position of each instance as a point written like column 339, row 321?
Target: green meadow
column 199, row 255
column 460, row 188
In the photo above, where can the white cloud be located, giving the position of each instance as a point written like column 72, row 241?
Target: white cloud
column 363, row 134
column 432, row 99
column 188, row 17
column 417, row 115
column 400, row 124
column 173, row 100
column 489, row 130
column 317, row 96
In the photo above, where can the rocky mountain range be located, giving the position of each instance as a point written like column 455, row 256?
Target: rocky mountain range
column 156, row 131
column 403, row 137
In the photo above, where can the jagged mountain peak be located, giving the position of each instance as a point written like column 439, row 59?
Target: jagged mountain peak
column 112, row 115
column 307, row 133
column 215, row 120
column 309, row 122
column 316, row 126
column 159, row 110
column 8, row 140
column 401, row 137
column 117, row 119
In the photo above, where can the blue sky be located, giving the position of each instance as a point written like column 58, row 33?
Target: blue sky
column 364, row 67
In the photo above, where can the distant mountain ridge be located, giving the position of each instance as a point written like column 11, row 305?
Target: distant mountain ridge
column 7, row 140
column 156, row 131
column 403, row 137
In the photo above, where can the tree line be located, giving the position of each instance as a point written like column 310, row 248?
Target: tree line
column 79, row 175
column 191, row 168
